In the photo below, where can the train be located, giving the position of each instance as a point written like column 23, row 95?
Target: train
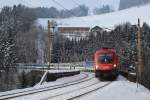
column 106, row 63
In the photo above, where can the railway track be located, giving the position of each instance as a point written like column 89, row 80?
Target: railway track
column 29, row 92
column 51, row 97
column 77, row 93
column 75, row 89
column 78, row 96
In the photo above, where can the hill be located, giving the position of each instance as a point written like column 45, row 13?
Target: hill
column 106, row 20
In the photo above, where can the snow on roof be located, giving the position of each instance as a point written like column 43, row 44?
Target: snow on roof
column 108, row 20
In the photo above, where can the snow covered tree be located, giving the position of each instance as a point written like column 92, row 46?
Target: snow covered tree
column 102, row 10
column 7, row 40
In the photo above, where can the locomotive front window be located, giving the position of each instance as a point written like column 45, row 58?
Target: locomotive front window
column 105, row 58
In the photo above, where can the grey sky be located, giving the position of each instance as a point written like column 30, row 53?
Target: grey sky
column 66, row 3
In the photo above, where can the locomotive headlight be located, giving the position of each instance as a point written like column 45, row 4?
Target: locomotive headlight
column 96, row 66
column 115, row 65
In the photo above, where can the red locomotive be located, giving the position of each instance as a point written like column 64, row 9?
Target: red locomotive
column 106, row 63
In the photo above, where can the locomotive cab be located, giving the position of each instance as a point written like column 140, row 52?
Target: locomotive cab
column 106, row 63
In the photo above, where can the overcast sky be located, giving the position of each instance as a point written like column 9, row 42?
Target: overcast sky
column 66, row 3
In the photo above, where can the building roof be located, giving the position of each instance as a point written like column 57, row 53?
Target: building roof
column 73, row 29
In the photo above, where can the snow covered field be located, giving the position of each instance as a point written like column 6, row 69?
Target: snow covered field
column 121, row 89
column 108, row 20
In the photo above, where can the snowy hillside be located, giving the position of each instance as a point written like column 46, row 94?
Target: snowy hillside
column 106, row 20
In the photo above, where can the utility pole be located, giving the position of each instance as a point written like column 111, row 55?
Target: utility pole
column 129, row 47
column 49, row 44
column 139, row 51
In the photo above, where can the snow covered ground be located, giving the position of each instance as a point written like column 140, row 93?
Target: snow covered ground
column 108, row 20
column 121, row 89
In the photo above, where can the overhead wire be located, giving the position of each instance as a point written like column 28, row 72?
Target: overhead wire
column 28, row 3
column 76, row 2
column 56, row 2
